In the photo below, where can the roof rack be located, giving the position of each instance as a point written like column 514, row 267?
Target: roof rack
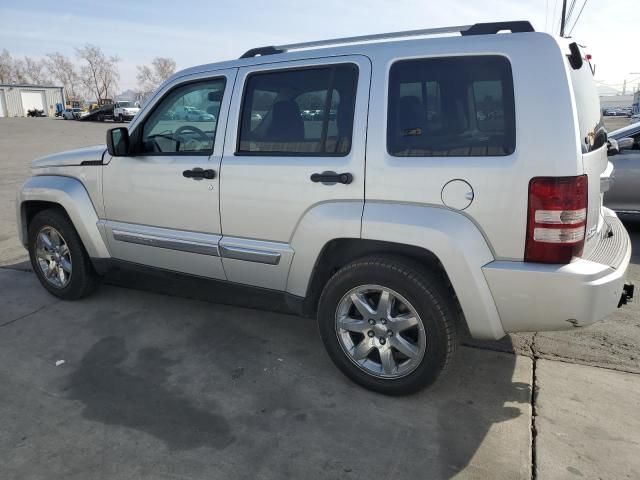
column 476, row 29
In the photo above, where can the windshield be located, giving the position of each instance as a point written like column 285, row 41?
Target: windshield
column 126, row 104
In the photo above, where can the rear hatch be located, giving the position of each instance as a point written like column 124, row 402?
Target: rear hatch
column 592, row 140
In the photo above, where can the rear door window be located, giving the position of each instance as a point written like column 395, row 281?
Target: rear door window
column 299, row 112
column 453, row 106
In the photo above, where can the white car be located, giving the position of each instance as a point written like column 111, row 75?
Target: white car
column 193, row 114
column 72, row 113
column 398, row 222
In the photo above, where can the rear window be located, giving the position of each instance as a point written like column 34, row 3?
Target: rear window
column 452, row 106
column 302, row 112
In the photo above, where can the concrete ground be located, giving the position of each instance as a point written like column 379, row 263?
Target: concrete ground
column 175, row 379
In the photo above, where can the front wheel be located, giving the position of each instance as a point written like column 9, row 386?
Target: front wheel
column 120, row 118
column 388, row 324
column 58, row 257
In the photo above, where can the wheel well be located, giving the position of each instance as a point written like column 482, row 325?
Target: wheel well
column 339, row 252
column 31, row 208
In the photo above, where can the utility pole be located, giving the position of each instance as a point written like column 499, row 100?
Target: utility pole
column 564, row 15
column 624, row 87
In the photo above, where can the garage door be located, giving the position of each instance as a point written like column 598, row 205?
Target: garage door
column 3, row 104
column 31, row 100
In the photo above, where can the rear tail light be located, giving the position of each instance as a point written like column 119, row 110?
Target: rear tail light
column 556, row 219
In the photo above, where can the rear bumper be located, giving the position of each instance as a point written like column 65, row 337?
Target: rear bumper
column 538, row 297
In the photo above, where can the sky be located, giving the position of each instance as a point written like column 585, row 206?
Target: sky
column 196, row 32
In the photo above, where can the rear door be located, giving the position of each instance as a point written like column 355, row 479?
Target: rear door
column 296, row 139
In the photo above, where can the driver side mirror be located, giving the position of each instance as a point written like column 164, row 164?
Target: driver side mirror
column 118, row 142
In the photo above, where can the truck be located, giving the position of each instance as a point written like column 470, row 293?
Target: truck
column 119, row 111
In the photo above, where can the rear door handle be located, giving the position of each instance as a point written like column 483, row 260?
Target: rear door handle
column 199, row 174
column 331, row 178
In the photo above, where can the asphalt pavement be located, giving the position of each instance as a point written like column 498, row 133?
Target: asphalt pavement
column 183, row 379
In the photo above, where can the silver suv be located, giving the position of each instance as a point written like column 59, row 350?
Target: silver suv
column 440, row 184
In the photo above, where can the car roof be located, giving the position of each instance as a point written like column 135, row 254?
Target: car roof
column 309, row 50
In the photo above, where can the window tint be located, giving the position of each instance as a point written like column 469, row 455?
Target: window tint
column 300, row 112
column 455, row 106
column 185, row 121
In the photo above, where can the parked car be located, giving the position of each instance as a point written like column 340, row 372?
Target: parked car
column 452, row 223
column 72, row 113
column 193, row 114
column 623, row 195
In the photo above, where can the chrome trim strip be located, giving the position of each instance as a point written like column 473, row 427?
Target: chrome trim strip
column 166, row 242
column 250, row 255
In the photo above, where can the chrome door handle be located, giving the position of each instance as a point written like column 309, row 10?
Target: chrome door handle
column 331, row 178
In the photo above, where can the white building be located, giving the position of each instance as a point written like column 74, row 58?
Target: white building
column 16, row 100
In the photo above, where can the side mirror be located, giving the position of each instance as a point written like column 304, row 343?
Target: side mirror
column 625, row 143
column 118, row 142
column 613, row 148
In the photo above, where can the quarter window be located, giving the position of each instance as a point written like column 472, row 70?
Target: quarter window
column 454, row 106
column 299, row 112
column 185, row 121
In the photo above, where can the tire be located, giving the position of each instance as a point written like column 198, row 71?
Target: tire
column 417, row 295
column 81, row 278
column 120, row 119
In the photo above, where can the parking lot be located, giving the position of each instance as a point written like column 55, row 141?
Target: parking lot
column 178, row 378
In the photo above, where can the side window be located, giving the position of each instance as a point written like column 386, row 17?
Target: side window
column 452, row 106
column 299, row 112
column 185, row 121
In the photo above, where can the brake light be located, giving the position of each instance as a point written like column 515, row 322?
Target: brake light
column 556, row 219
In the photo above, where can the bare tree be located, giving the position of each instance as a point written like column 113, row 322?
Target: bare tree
column 65, row 72
column 6, row 66
column 99, row 74
column 35, row 72
column 150, row 77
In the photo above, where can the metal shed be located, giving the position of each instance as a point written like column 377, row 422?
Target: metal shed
column 15, row 99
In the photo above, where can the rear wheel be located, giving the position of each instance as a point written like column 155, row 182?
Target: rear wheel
column 58, row 257
column 388, row 324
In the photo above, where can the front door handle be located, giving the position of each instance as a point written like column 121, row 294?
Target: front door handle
column 199, row 174
column 331, row 178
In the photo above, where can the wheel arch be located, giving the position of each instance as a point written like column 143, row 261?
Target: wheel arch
column 341, row 251
column 67, row 194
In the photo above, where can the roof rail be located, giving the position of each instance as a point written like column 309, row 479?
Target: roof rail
column 476, row 29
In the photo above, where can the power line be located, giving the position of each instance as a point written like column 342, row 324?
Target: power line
column 579, row 13
column 570, row 12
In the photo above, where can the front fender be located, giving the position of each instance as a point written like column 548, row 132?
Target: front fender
column 458, row 244
column 71, row 195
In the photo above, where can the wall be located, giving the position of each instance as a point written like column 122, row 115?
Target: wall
column 13, row 99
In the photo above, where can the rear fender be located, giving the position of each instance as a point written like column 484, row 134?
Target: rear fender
column 457, row 243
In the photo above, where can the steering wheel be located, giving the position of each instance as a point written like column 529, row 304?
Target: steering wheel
column 185, row 128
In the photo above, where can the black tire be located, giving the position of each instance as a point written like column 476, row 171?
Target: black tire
column 83, row 280
column 120, row 118
column 426, row 292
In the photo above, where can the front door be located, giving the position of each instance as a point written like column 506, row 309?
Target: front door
column 162, row 203
column 296, row 140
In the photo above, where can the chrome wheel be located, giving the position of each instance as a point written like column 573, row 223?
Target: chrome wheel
column 53, row 256
column 380, row 331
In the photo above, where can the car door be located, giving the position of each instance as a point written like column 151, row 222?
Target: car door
column 162, row 202
column 291, row 123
